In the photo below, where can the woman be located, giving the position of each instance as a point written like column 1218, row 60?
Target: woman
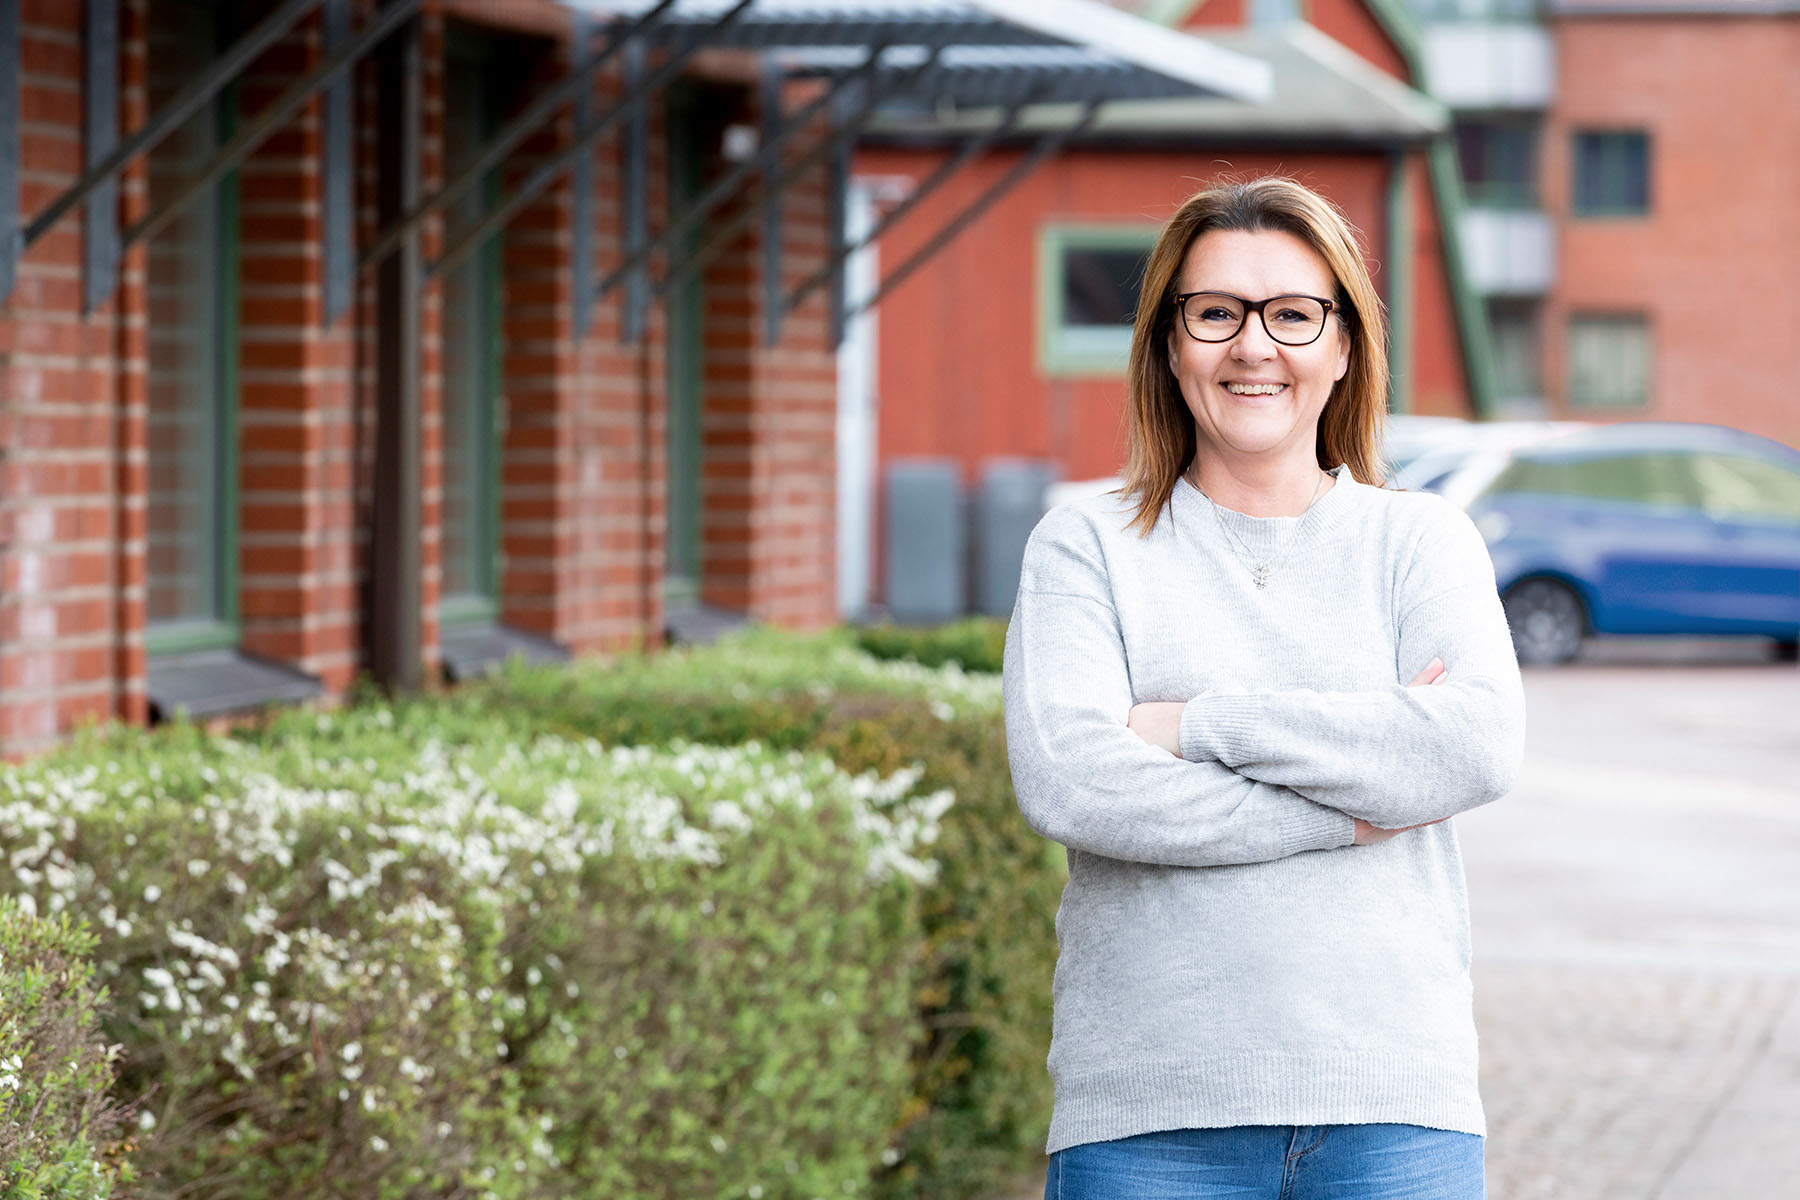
column 1245, row 692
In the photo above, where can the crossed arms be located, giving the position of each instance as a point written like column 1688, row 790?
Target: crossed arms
column 1262, row 773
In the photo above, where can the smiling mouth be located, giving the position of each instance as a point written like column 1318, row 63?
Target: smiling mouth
column 1256, row 389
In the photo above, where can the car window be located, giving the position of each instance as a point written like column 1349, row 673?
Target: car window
column 1664, row 479
column 1731, row 487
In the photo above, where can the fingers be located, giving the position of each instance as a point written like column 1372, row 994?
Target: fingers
column 1434, row 672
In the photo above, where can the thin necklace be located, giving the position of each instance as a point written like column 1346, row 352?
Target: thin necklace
column 1264, row 566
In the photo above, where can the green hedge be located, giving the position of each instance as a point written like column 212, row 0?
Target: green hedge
column 974, row 643
column 354, row 957
column 981, row 1100
column 702, row 924
column 58, row 1132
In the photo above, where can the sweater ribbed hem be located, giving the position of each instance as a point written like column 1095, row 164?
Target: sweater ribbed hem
column 1347, row 1088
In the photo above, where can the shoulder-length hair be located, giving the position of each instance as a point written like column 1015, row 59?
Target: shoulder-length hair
column 1162, row 427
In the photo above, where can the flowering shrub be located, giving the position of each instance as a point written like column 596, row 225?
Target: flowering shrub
column 353, row 956
column 56, row 1126
column 980, row 1099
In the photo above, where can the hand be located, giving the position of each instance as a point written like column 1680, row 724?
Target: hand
column 1366, row 834
column 1159, row 723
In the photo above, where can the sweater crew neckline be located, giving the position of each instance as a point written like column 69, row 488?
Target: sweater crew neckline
column 1325, row 514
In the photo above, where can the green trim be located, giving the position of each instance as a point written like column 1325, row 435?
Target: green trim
column 1479, row 370
column 1060, row 352
column 1479, row 374
column 1398, row 271
column 462, row 610
column 184, row 637
column 1173, row 13
column 228, row 515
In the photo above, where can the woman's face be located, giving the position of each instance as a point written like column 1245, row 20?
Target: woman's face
column 1252, row 394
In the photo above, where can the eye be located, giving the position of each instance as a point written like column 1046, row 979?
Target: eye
column 1292, row 316
column 1217, row 313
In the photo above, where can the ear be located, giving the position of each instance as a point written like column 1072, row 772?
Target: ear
column 1169, row 345
column 1343, row 355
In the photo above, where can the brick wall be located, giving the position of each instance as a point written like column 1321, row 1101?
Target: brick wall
column 1711, row 263
column 583, row 451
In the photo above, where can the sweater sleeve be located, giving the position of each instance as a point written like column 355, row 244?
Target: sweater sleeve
column 1399, row 755
column 1083, row 777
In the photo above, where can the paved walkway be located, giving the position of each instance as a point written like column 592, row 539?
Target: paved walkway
column 1636, row 913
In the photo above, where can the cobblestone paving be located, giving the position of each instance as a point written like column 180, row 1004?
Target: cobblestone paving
column 1636, row 914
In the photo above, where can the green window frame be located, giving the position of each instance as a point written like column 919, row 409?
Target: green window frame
column 686, row 131
column 473, row 338
column 1088, row 348
column 1611, row 359
column 214, row 623
column 1610, row 173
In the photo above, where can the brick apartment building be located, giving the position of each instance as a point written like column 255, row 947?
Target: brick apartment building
column 1630, row 173
column 400, row 336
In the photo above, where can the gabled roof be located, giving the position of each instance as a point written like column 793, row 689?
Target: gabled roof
column 1323, row 92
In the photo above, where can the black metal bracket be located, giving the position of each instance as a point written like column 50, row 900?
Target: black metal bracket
column 515, row 131
column 184, row 104
column 840, row 136
column 100, row 129
column 387, row 19
column 1046, row 146
column 547, row 171
column 970, row 148
column 12, row 238
column 731, row 183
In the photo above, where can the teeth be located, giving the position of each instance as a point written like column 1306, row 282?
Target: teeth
column 1254, row 389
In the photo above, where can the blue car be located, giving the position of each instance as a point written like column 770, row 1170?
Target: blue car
column 1645, row 528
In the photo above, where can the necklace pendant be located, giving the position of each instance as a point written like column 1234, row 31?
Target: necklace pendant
column 1261, row 574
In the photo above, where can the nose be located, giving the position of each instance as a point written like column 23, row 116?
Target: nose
column 1253, row 343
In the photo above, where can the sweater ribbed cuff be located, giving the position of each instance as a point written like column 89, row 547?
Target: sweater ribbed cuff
column 1222, row 728
column 1317, row 828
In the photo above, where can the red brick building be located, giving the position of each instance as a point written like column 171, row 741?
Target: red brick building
column 193, row 463
column 399, row 336
column 1012, row 342
column 1670, row 173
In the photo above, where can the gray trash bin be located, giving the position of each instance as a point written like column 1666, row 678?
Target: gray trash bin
column 924, row 540
column 1008, row 505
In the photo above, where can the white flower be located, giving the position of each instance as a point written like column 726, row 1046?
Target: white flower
column 152, row 894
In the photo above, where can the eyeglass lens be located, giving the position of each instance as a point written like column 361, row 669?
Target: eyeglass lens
column 1217, row 317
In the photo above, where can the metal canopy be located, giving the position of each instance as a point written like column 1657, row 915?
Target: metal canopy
column 978, row 76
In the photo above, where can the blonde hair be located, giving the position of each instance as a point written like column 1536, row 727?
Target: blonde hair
column 1161, row 425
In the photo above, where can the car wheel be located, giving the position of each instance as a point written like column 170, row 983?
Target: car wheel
column 1547, row 622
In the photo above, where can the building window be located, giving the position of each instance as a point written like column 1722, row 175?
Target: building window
column 472, row 348
column 1612, row 173
column 1517, row 348
column 1609, row 361
column 1499, row 162
column 1088, row 280
column 191, row 359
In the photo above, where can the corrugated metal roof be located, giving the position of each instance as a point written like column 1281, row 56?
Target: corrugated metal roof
column 1323, row 92
column 1184, row 65
column 974, row 76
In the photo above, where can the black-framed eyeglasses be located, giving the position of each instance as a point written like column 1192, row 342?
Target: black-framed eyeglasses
column 1295, row 320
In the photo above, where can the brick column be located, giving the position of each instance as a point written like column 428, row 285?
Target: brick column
column 297, row 589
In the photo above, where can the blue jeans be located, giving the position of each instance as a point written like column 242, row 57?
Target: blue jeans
column 1274, row 1162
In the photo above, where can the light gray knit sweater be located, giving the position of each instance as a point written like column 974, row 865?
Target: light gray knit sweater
column 1227, row 956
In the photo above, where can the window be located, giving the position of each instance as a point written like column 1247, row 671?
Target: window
column 1088, row 280
column 1734, row 488
column 471, row 351
column 191, row 360
column 1609, row 362
column 1498, row 159
column 1516, row 348
column 1611, row 173
column 1661, row 478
